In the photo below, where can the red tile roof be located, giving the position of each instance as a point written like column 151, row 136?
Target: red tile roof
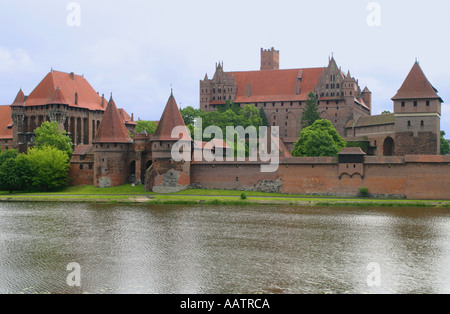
column 126, row 117
column 170, row 119
column 20, row 99
column 82, row 150
column 352, row 151
column 112, row 127
column 416, row 86
column 58, row 98
column 6, row 131
column 70, row 84
column 275, row 85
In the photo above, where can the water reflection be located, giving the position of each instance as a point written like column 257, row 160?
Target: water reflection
column 179, row 249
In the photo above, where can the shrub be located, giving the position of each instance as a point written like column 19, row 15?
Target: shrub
column 243, row 196
column 364, row 192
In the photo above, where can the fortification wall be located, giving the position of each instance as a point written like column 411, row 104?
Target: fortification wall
column 412, row 177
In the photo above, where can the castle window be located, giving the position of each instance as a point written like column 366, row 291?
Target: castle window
column 81, row 167
column 90, row 167
column 351, row 93
column 327, row 86
column 328, row 102
column 337, row 86
column 274, row 123
column 428, row 103
column 422, row 123
column 415, row 104
column 409, row 123
column 337, row 102
column 403, row 104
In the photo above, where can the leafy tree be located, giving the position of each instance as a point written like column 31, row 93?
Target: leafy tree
column 445, row 146
column 189, row 115
column 10, row 178
column 262, row 114
column 8, row 154
column 148, row 126
column 48, row 134
column 15, row 171
column 319, row 139
column 311, row 112
column 50, row 167
column 386, row 112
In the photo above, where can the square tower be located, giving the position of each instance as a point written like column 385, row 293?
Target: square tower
column 270, row 59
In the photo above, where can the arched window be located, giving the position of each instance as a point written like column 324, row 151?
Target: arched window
column 388, row 147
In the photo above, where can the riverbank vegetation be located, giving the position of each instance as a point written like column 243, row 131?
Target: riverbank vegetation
column 128, row 194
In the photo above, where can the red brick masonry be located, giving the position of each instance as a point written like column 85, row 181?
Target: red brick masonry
column 412, row 177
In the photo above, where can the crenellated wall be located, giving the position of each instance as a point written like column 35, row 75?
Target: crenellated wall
column 412, row 177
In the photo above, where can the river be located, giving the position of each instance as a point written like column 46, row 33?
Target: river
column 229, row 249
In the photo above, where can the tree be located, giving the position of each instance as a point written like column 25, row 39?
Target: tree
column 311, row 112
column 189, row 115
column 386, row 112
column 147, row 126
column 8, row 154
column 15, row 171
column 445, row 146
column 48, row 134
column 263, row 116
column 50, row 167
column 319, row 139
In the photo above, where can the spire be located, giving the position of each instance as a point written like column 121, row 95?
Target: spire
column 19, row 100
column 416, row 86
column 112, row 127
column 57, row 98
column 170, row 119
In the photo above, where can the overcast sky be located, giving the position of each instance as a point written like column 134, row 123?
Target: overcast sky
column 139, row 49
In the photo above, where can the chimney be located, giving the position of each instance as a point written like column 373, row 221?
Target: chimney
column 72, row 75
column 103, row 100
column 132, row 117
column 76, row 99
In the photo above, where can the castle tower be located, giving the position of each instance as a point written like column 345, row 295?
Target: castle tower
column 270, row 59
column 111, row 150
column 18, row 116
column 58, row 113
column 366, row 95
column 417, row 109
column 167, row 175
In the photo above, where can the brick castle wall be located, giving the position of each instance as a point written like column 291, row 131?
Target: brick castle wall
column 412, row 177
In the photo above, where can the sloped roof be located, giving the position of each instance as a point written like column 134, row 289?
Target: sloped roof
column 112, row 127
column 170, row 119
column 352, row 151
column 416, row 86
column 126, row 117
column 6, row 131
column 275, row 85
column 82, row 150
column 381, row 119
column 58, row 98
column 70, row 84
column 19, row 100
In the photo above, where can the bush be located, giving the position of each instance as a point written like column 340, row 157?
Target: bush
column 243, row 196
column 364, row 192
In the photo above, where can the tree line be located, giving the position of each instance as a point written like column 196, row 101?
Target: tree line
column 44, row 167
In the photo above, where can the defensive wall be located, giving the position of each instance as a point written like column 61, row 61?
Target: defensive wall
column 411, row 177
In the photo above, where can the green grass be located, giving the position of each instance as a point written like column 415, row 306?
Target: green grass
column 128, row 194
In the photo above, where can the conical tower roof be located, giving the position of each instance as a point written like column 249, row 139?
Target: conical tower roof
column 170, row 119
column 20, row 99
column 57, row 98
column 416, row 86
column 112, row 127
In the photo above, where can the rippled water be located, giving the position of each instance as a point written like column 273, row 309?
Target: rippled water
column 182, row 249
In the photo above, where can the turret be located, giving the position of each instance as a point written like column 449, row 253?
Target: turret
column 169, row 174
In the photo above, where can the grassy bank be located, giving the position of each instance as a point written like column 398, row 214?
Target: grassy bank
column 128, row 194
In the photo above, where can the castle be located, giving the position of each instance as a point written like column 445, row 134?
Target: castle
column 405, row 145
column 283, row 94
